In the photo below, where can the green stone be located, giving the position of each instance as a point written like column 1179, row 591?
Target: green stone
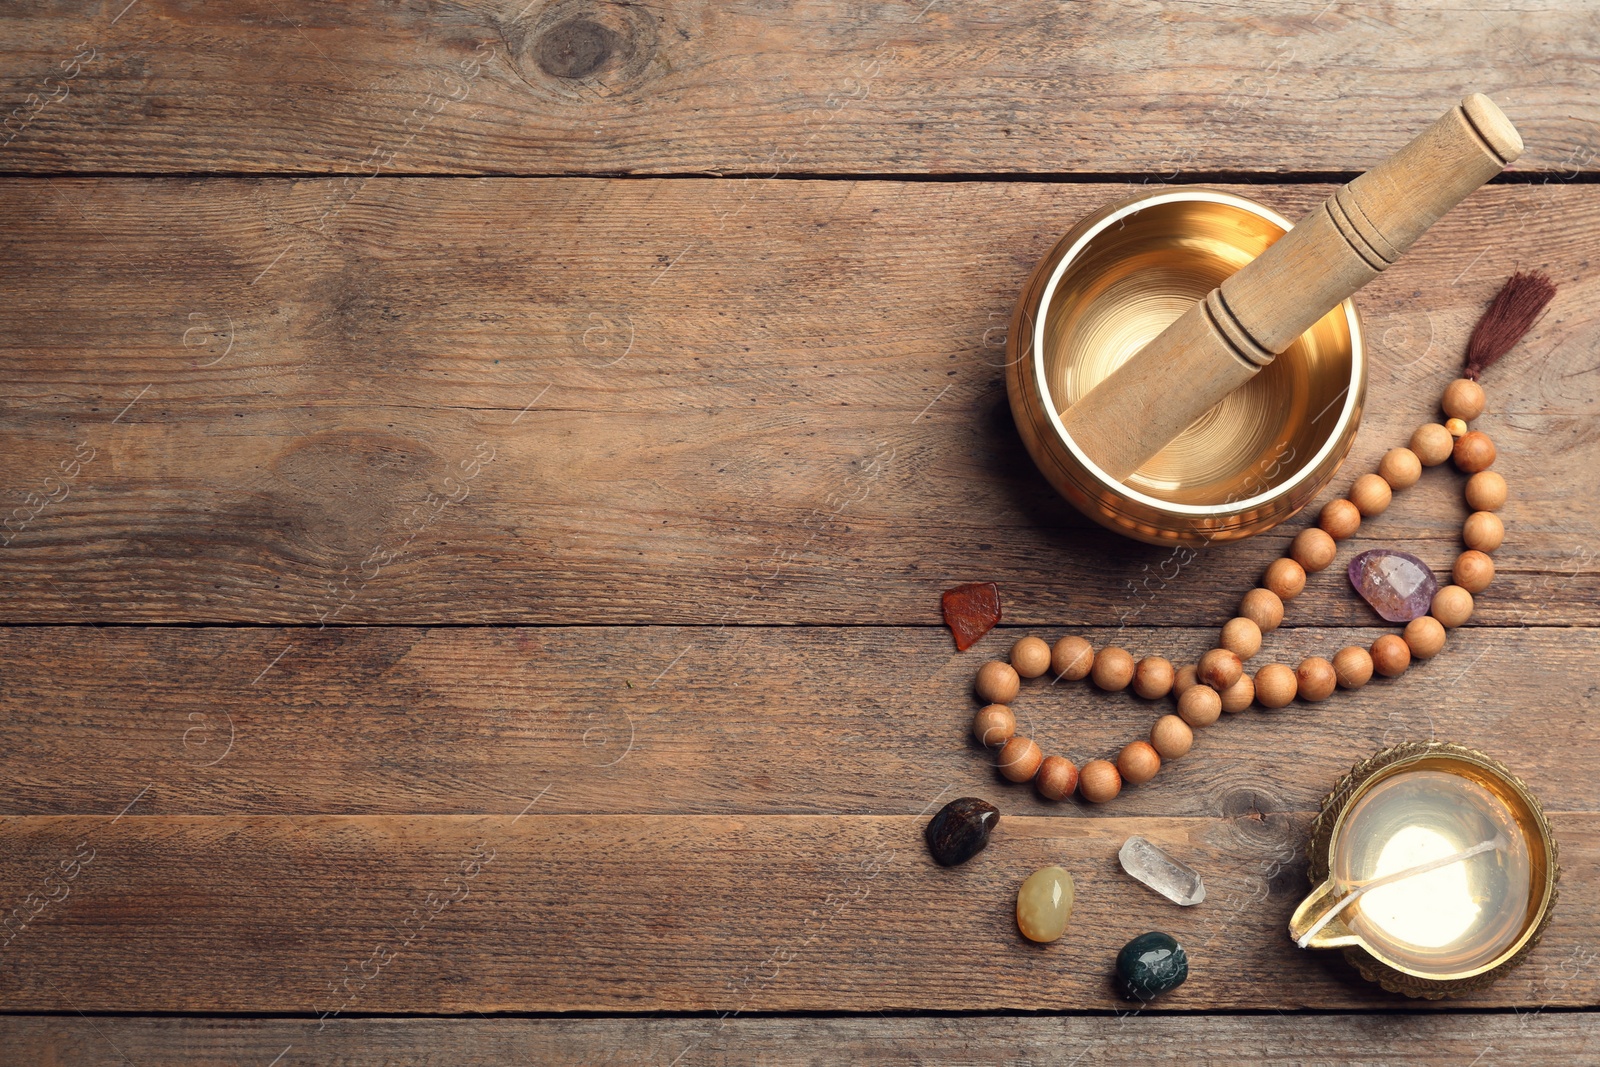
column 1151, row 964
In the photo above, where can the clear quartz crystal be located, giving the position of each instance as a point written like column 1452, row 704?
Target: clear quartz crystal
column 1178, row 882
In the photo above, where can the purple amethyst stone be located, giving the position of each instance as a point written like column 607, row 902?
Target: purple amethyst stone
column 1398, row 585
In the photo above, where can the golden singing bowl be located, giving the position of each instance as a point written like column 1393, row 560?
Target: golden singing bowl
column 1435, row 870
column 1107, row 289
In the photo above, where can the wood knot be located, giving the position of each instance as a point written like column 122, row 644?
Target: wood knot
column 580, row 49
column 576, row 48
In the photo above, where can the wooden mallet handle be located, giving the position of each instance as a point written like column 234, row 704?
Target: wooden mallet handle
column 1220, row 343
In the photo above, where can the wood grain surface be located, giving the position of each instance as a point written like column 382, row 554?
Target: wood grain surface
column 668, row 720
column 761, row 86
column 561, row 401
column 1269, row 1040
column 478, row 480
column 325, row 915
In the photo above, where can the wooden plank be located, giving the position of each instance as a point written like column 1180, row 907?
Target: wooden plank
column 635, row 720
column 584, row 86
column 1131, row 1039
column 547, row 401
column 334, row 915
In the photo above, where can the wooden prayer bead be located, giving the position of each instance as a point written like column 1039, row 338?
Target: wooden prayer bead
column 1242, row 637
column 1019, row 759
column 1113, row 669
column 1200, row 705
column 1371, row 495
column 1452, row 606
column 1390, row 655
column 1286, row 578
column 1220, row 668
column 1315, row 679
column 1400, row 467
column 1138, row 762
column 1185, row 676
column 997, row 683
column 1030, row 657
column 1424, row 637
column 1152, row 677
column 1056, row 778
column 1463, row 399
column 1072, row 658
column 1456, row 427
column 1313, row 549
column 1474, row 452
column 1483, row 531
column 1171, row 737
column 1339, row 519
column 1099, row 781
column 1239, row 695
column 1353, row 667
column 994, row 725
column 1262, row 607
column 1473, row 571
column 1486, row 491
column 1275, row 685
column 1432, row 444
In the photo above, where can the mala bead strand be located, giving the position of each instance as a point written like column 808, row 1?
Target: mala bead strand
column 1219, row 683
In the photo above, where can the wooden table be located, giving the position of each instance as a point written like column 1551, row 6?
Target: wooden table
column 481, row 478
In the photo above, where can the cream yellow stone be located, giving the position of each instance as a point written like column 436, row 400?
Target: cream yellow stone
column 1044, row 904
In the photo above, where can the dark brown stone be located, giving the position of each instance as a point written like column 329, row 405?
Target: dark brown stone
column 961, row 830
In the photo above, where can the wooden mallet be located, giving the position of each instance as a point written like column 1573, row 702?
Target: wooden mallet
column 1225, row 339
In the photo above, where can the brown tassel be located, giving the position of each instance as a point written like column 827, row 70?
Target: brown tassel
column 1510, row 315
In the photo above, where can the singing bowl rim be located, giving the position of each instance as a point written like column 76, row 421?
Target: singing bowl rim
column 1033, row 315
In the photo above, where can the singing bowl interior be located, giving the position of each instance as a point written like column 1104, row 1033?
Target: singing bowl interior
column 1257, row 456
